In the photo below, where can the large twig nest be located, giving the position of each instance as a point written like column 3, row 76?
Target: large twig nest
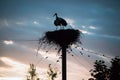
column 62, row 38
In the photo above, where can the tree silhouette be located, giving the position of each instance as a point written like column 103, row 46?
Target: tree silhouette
column 115, row 69
column 102, row 72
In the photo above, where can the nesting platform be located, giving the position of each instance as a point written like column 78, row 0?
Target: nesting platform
column 63, row 37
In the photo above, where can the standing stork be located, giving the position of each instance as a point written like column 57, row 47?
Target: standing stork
column 59, row 21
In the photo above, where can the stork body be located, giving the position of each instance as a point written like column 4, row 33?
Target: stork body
column 59, row 21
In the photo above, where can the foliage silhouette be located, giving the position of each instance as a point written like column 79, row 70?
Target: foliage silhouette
column 32, row 75
column 115, row 69
column 52, row 73
column 102, row 72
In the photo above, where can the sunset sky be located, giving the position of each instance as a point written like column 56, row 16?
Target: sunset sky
column 23, row 22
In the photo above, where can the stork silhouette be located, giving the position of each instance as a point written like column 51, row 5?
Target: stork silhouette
column 59, row 22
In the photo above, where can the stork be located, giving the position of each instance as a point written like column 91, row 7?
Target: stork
column 59, row 21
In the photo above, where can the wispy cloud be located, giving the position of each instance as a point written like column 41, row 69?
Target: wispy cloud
column 89, row 27
column 36, row 22
column 16, row 67
column 20, row 23
column 108, row 36
column 8, row 42
column 52, row 56
column 92, row 27
column 48, row 18
column 11, row 62
column 4, row 22
column 77, row 72
column 86, row 32
column 83, row 26
column 18, row 70
column 71, row 22
column 11, row 78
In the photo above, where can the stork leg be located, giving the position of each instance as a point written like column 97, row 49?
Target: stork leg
column 56, row 27
column 62, row 27
column 71, row 27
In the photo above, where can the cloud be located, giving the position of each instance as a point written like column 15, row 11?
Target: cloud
column 95, row 34
column 8, row 42
column 86, row 32
column 11, row 62
column 4, row 22
column 12, row 22
column 52, row 56
column 71, row 22
column 36, row 22
column 2, row 64
column 77, row 72
column 110, row 36
column 26, row 23
column 16, row 68
column 88, row 27
column 83, row 26
column 11, row 78
column 107, row 36
column 80, row 69
column 48, row 18
column 20, row 23
column 92, row 27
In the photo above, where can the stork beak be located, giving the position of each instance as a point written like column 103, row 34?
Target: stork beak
column 55, row 14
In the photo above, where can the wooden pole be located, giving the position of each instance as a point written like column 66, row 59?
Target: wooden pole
column 64, row 67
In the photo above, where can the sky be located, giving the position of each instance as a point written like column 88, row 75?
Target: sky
column 23, row 22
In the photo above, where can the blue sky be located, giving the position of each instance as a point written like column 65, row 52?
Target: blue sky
column 99, row 21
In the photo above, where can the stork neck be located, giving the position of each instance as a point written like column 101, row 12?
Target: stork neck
column 56, row 16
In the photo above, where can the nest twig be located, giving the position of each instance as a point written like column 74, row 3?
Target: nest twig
column 62, row 38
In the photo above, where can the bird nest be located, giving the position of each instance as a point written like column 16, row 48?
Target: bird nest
column 62, row 38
